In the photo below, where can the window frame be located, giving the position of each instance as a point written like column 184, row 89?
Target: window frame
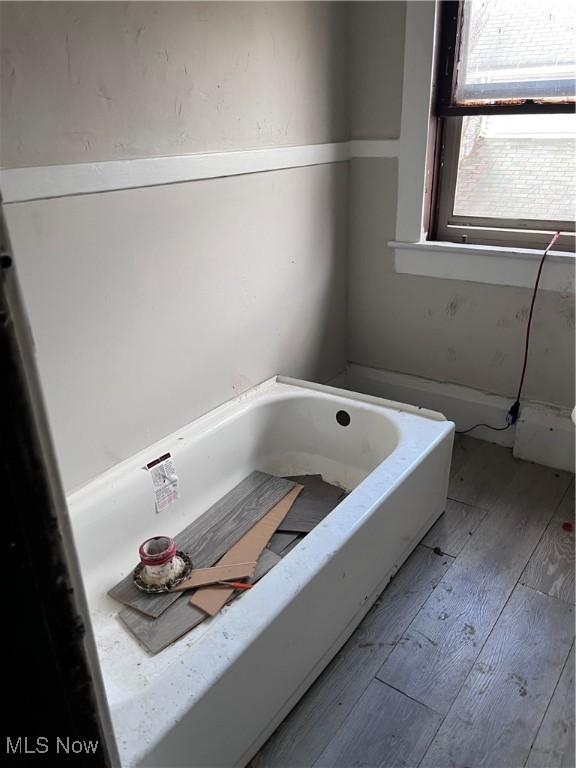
column 445, row 225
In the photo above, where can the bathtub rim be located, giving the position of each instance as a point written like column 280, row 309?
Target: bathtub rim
column 221, row 413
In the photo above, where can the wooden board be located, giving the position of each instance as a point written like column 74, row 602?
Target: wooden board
column 551, row 567
column 266, row 562
column 384, row 730
column 249, row 547
column 434, row 656
column 292, row 544
column 212, row 534
column 497, row 713
column 453, row 528
column 305, row 479
column 181, row 617
column 484, row 475
column 280, row 541
column 554, row 745
column 316, row 501
column 200, row 577
column 308, row 729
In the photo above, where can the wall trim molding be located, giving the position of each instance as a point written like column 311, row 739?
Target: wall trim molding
column 415, row 120
column 494, row 265
column 19, row 185
column 543, row 434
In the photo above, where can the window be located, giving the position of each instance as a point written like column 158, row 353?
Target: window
column 506, row 141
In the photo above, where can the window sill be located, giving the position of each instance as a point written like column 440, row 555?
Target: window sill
column 514, row 267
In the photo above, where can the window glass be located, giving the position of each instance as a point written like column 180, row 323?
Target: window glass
column 517, row 167
column 517, row 49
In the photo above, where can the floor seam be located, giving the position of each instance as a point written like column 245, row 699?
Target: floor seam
column 416, row 701
column 549, row 703
column 546, row 594
column 467, row 504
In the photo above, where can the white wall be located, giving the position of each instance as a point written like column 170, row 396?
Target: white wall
column 376, row 48
column 110, row 80
column 447, row 330
column 151, row 306
column 232, row 280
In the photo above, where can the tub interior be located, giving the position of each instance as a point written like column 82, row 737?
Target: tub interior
column 295, row 433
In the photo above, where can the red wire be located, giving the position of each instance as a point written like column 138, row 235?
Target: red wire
column 513, row 412
column 529, row 326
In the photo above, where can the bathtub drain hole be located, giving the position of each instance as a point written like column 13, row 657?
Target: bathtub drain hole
column 343, row 418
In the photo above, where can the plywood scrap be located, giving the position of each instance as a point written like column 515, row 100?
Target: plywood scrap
column 202, row 576
column 207, row 538
column 316, row 501
column 213, row 599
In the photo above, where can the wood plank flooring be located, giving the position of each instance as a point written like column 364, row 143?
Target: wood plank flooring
column 554, row 745
column 433, row 658
column 385, row 729
column 498, row 711
column 467, row 658
column 551, row 567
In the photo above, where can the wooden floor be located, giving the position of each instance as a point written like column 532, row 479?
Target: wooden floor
column 467, row 657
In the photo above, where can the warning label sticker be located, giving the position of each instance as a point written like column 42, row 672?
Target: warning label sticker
column 164, row 480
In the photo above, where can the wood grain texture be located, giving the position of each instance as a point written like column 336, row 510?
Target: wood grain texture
column 157, row 634
column 482, row 477
column 315, row 502
column 551, row 567
column 436, row 653
column 384, row 730
column 308, row 729
column 554, row 745
column 497, row 713
column 454, row 527
column 208, row 537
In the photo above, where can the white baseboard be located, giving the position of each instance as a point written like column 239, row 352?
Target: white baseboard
column 544, row 434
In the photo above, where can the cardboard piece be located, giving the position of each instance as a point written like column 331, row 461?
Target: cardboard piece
column 249, row 547
column 202, row 576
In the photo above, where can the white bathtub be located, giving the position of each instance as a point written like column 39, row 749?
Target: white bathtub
column 213, row 697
